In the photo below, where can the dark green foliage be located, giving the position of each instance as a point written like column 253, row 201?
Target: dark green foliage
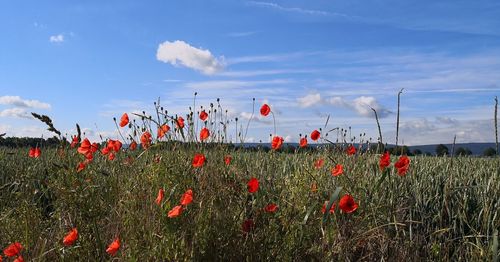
column 490, row 151
column 461, row 151
column 442, row 150
column 18, row 142
column 417, row 152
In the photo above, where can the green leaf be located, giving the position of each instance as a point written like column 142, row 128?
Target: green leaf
column 494, row 247
column 311, row 208
column 382, row 178
column 333, row 198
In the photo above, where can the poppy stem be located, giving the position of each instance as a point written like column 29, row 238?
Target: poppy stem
column 274, row 122
column 197, row 116
column 397, row 121
column 119, row 132
column 250, row 119
column 496, row 124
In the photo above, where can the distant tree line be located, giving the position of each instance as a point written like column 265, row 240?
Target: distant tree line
column 14, row 142
column 441, row 150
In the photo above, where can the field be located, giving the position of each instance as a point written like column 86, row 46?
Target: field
column 442, row 209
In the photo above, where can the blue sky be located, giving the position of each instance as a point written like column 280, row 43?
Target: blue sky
column 89, row 61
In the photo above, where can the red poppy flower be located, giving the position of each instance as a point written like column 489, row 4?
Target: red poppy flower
column 203, row 115
column 85, row 147
column 146, row 140
column 180, row 122
column 265, row 110
column 271, row 208
column 338, row 170
column 227, row 160
column 38, row 152
column 162, row 130
column 315, row 135
column 74, row 142
column 347, row 204
column 159, row 198
column 19, row 259
column 114, row 145
column 113, row 247
column 124, row 120
column 35, row 152
column 31, row 152
column 80, row 167
column 402, row 165
column 105, row 150
column 253, row 185
column 187, row 197
column 351, row 150
column 175, row 212
column 13, row 249
column 204, row 134
column 277, row 142
column 319, row 163
column 248, row 225
column 94, row 147
column 303, row 142
column 385, row 160
column 332, row 208
column 198, row 160
column 111, row 156
column 133, row 145
column 71, row 237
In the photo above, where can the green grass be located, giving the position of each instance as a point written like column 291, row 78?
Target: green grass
column 441, row 210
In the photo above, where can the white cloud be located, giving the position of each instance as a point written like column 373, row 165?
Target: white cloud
column 424, row 131
column 18, row 101
column 256, row 117
column 180, row 52
column 361, row 105
column 56, row 38
column 337, row 101
column 309, row 100
column 446, row 120
column 15, row 112
column 25, row 131
column 115, row 108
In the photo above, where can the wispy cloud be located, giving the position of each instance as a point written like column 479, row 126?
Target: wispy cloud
column 15, row 112
column 180, row 52
column 295, row 9
column 242, row 34
column 18, row 101
column 172, row 80
column 428, row 131
column 253, row 73
column 56, row 38
column 362, row 105
column 115, row 108
column 272, row 57
column 233, row 84
column 310, row 100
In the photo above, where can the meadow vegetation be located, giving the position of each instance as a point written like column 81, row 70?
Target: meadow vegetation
column 417, row 208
